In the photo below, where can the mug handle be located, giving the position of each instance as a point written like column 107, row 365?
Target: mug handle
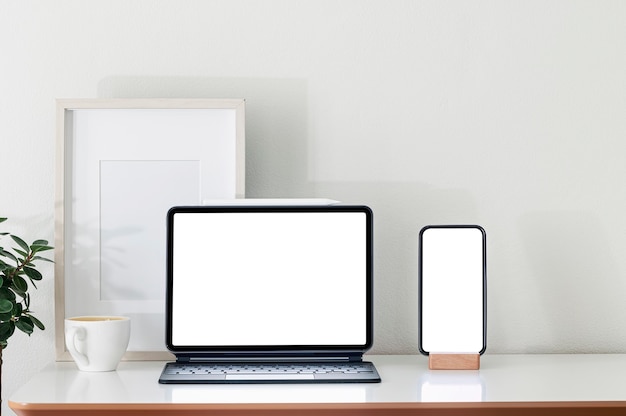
column 80, row 334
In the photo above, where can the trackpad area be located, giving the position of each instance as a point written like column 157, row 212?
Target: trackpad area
column 274, row 377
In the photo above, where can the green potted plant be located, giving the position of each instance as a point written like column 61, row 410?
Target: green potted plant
column 17, row 268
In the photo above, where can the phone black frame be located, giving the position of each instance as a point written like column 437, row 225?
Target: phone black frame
column 420, row 293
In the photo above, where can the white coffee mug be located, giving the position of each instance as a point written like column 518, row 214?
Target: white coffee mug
column 97, row 343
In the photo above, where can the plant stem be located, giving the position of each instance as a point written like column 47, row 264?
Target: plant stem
column 21, row 266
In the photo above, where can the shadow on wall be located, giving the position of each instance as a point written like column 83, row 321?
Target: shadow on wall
column 575, row 280
column 400, row 212
column 277, row 146
column 276, row 123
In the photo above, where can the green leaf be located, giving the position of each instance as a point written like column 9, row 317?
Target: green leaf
column 37, row 322
column 6, row 330
column 9, row 255
column 21, row 242
column 19, row 284
column 21, row 253
column 40, row 243
column 25, row 324
column 1, row 280
column 33, row 273
column 3, row 219
column 17, row 309
column 6, row 306
column 7, row 282
column 43, row 259
column 36, row 248
column 7, row 271
column 7, row 294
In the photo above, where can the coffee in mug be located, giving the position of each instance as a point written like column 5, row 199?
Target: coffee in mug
column 97, row 343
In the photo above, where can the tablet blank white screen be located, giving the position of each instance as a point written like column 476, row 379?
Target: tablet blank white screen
column 261, row 279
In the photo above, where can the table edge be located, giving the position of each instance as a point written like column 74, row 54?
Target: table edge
column 395, row 408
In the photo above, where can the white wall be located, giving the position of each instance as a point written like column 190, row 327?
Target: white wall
column 509, row 114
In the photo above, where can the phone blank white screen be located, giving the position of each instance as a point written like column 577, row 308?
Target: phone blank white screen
column 265, row 279
column 452, row 290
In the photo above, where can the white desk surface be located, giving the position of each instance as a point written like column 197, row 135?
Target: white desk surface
column 577, row 378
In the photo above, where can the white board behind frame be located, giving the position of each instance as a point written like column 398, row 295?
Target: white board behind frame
column 121, row 164
column 452, row 285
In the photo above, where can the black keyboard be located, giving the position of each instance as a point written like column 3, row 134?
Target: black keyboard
column 361, row 372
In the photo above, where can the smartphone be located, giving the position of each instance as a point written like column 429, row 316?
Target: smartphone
column 452, row 268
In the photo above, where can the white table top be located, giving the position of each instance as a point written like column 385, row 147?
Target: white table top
column 405, row 378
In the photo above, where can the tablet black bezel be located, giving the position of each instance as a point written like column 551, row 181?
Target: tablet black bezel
column 282, row 350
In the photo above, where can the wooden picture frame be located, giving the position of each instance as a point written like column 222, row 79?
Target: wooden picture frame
column 121, row 163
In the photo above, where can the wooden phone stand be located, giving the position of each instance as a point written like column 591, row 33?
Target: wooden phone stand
column 447, row 361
